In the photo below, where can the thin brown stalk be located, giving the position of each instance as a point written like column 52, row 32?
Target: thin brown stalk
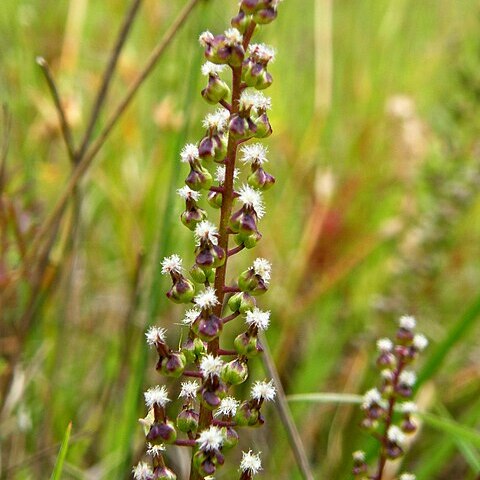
column 283, row 410
column 7, row 128
column 82, row 167
column 65, row 127
column 107, row 76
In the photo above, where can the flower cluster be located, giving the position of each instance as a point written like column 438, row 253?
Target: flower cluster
column 388, row 410
column 210, row 415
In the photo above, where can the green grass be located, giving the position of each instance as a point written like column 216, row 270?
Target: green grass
column 84, row 360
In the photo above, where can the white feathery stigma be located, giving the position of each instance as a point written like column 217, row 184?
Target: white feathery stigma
column 407, row 322
column 228, row 407
column 254, row 153
column 211, row 439
column 262, row 267
column 205, row 38
column 396, row 435
column 407, row 476
column 217, row 120
column 210, row 365
column 384, row 345
column 233, row 36
column 373, row 397
column 220, row 174
column 252, row 198
column 189, row 153
column 190, row 316
column 258, row 318
column 206, row 299
column 156, row 395
column 155, row 450
column 212, row 69
column 263, row 391
column 358, row 456
column 254, row 99
column 206, row 231
column 261, row 53
column 188, row 194
column 420, row 342
column 407, row 377
column 142, row 471
column 155, row 335
column 251, row 462
column 170, row 264
column 189, row 390
column 408, row 407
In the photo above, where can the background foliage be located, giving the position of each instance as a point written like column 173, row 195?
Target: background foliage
column 375, row 215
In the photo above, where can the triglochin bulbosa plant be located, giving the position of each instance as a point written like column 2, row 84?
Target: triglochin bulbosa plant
column 210, row 414
column 388, row 410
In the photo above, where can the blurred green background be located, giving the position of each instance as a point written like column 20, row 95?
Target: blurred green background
column 377, row 157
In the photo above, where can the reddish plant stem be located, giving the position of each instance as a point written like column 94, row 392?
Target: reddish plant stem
column 235, row 250
column 221, row 351
column 227, row 289
column 231, row 317
column 224, row 423
column 388, row 422
column 191, row 373
column 206, row 416
column 214, row 188
column 185, row 443
column 225, row 104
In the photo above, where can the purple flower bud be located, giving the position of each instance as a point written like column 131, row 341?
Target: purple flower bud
column 235, row 372
column 246, row 415
column 216, row 90
column 260, row 179
column 198, row 178
column 182, row 291
column 208, row 328
column 231, row 438
column 241, row 302
column 215, row 199
column 173, row 365
column 187, row 420
column 162, row 433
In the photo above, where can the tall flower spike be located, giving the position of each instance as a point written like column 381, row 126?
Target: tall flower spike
column 209, row 413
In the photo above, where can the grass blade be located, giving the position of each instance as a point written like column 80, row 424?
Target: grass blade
column 57, row 470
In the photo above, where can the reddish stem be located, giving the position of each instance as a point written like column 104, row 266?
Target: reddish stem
column 235, row 250
column 191, row 373
column 221, row 351
column 218, row 189
column 226, row 289
column 185, row 443
column 230, row 317
column 226, row 105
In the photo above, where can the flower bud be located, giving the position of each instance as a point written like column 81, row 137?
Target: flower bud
column 209, row 256
column 162, row 433
column 241, row 128
column 193, row 349
column 235, row 372
column 241, row 21
column 230, row 438
column 163, row 473
column 247, row 344
column 260, row 179
column 199, row 177
column 213, row 147
column 248, row 241
column 216, row 90
column 173, row 365
column 249, row 281
column 246, row 415
column 192, row 216
column 182, row 291
column 241, row 302
column 215, row 199
column 263, row 128
column 211, row 394
column 206, row 462
column 201, row 275
column 208, row 328
column 249, row 6
column 187, row 420
column 265, row 16
column 244, row 221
